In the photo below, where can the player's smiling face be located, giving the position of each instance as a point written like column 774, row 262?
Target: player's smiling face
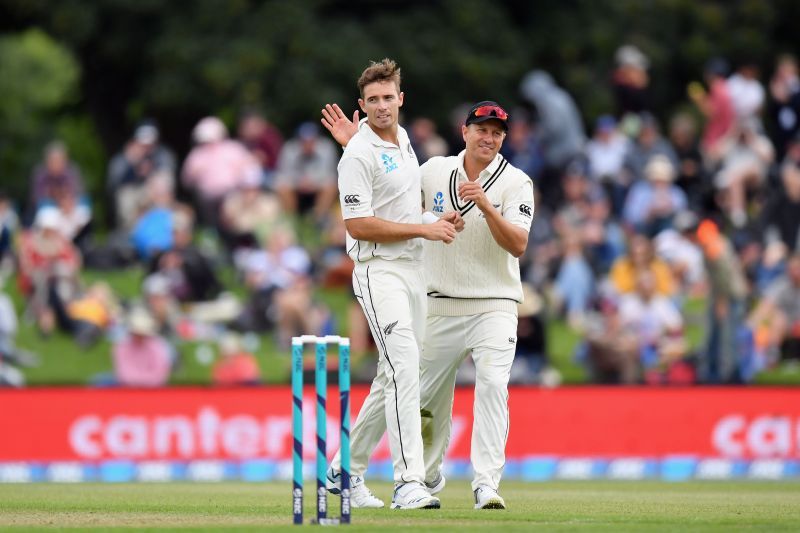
column 381, row 102
column 483, row 140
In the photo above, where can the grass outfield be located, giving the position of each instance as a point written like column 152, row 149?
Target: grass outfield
column 557, row 506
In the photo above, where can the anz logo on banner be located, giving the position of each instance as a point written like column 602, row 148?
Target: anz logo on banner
column 438, row 203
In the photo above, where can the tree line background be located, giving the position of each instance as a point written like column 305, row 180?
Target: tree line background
column 88, row 71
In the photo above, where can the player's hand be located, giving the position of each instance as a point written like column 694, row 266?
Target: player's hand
column 441, row 230
column 454, row 217
column 472, row 191
column 336, row 122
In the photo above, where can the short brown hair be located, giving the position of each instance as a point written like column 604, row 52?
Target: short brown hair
column 385, row 70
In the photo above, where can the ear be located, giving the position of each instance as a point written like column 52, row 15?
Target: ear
column 362, row 105
column 464, row 130
column 400, row 99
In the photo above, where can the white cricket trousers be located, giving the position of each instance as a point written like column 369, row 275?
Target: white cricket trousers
column 491, row 339
column 392, row 295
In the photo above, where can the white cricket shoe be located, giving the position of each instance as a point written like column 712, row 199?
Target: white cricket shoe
column 414, row 496
column 360, row 495
column 487, row 498
column 437, row 485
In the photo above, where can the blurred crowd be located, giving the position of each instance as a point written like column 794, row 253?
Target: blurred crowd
column 644, row 225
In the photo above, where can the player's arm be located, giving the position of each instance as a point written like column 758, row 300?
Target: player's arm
column 510, row 237
column 355, row 184
column 376, row 229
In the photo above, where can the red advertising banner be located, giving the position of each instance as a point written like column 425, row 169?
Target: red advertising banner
column 244, row 423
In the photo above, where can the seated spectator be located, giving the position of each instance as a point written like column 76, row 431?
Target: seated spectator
column 306, row 178
column 161, row 304
column 425, row 140
column 691, row 175
column 778, row 311
column 610, row 350
column 640, row 257
column 682, row 255
column 141, row 358
column 248, row 214
column 130, row 169
column 574, row 284
column 651, row 204
column 264, row 142
column 88, row 315
column 747, row 92
column 56, row 173
column 780, row 217
column 606, row 152
column 630, row 81
column 191, row 275
column 784, row 88
column 648, row 143
column 716, row 104
column 530, row 360
column 744, row 157
column 152, row 233
column 216, row 166
column 75, row 216
column 656, row 324
column 235, row 366
column 49, row 265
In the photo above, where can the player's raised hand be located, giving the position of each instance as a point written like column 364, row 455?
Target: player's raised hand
column 472, row 191
column 441, row 230
column 336, row 122
column 454, row 217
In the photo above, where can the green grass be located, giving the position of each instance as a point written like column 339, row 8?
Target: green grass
column 557, row 506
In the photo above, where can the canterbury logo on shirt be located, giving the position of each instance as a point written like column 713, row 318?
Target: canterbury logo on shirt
column 525, row 210
column 352, row 199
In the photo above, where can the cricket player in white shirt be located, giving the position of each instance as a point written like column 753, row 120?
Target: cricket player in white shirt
column 473, row 291
column 379, row 189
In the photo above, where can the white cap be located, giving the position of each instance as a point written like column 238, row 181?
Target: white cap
column 48, row 217
column 209, row 129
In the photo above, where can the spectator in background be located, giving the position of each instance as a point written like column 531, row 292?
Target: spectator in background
column 747, row 93
column 75, row 217
column 264, row 142
column 152, row 232
column 248, row 214
column 49, row 265
column 691, row 176
column 784, row 88
column 531, row 358
column 606, row 152
column 651, row 204
column 425, row 141
column 306, row 178
column 522, row 147
column 142, row 357
column 191, row 275
column 610, row 350
column 726, row 305
column 778, row 311
column 56, row 173
column 630, row 81
column 656, row 324
column 560, row 128
column 235, row 366
column 716, row 104
column 88, row 316
column 780, row 218
column 161, row 304
column 640, row 258
column 744, row 156
column 129, row 170
column 648, row 143
column 215, row 167
column 682, row 255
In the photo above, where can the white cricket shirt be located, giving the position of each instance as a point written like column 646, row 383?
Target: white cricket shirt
column 380, row 179
column 474, row 274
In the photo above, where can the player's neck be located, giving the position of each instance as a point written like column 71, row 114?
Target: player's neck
column 474, row 167
column 386, row 134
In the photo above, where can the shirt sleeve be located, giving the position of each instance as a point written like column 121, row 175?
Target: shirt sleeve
column 518, row 205
column 355, row 188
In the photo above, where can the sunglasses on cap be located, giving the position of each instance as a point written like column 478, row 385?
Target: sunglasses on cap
column 491, row 111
